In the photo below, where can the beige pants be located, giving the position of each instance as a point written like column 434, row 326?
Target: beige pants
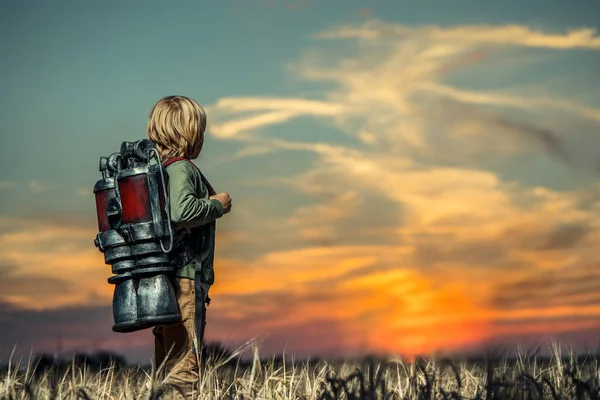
column 181, row 366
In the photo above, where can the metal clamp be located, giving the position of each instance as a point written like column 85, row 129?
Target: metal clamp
column 166, row 196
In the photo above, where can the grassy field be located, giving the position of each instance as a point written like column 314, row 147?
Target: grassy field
column 227, row 375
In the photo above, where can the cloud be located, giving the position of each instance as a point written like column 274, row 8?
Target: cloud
column 36, row 186
column 266, row 111
column 392, row 94
column 570, row 285
column 57, row 258
column 405, row 235
column 364, row 292
column 85, row 192
column 466, row 96
column 548, row 139
column 584, row 334
column 412, row 225
column 15, row 286
column 66, row 331
column 7, row 185
column 515, row 35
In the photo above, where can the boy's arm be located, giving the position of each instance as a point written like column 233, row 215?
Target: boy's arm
column 187, row 208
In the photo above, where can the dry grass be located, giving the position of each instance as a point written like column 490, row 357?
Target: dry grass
column 227, row 376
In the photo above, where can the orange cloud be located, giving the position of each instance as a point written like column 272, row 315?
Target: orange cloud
column 378, row 296
column 60, row 254
column 390, row 309
column 41, row 256
column 466, row 237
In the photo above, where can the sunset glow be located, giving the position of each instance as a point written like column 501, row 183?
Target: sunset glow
column 404, row 181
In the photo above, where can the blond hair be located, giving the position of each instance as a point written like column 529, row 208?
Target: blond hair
column 176, row 125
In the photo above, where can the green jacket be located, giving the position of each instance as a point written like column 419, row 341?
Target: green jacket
column 194, row 218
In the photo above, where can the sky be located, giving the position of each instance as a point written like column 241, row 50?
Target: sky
column 408, row 177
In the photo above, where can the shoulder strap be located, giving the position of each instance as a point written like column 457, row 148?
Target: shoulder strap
column 211, row 190
column 172, row 160
column 200, row 297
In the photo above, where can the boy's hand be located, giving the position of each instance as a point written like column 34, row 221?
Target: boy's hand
column 224, row 199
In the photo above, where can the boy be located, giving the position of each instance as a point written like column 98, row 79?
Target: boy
column 176, row 126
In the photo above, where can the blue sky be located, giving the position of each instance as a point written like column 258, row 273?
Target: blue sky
column 382, row 140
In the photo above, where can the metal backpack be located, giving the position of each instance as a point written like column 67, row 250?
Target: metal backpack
column 134, row 224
